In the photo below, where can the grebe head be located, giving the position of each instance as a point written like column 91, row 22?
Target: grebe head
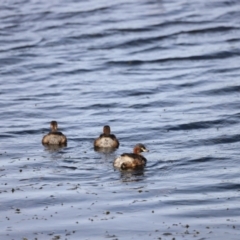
column 106, row 130
column 140, row 148
column 54, row 126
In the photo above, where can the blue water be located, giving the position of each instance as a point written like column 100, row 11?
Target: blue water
column 163, row 73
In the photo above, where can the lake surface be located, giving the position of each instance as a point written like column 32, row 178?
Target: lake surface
column 163, row 73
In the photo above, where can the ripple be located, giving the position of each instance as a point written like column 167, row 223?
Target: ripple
column 164, row 73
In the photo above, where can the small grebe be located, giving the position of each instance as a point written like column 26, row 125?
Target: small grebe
column 106, row 139
column 54, row 137
column 132, row 160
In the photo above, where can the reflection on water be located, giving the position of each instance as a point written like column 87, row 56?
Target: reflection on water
column 53, row 148
column 106, row 151
column 131, row 175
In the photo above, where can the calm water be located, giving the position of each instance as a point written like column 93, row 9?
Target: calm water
column 163, row 73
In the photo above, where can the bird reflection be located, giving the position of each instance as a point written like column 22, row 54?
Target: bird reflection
column 104, row 150
column 131, row 175
column 53, row 148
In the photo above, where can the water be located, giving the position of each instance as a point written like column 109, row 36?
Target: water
column 163, row 73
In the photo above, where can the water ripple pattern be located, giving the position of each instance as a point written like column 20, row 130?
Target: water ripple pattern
column 163, row 73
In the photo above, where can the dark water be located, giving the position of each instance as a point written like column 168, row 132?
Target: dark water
column 164, row 73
